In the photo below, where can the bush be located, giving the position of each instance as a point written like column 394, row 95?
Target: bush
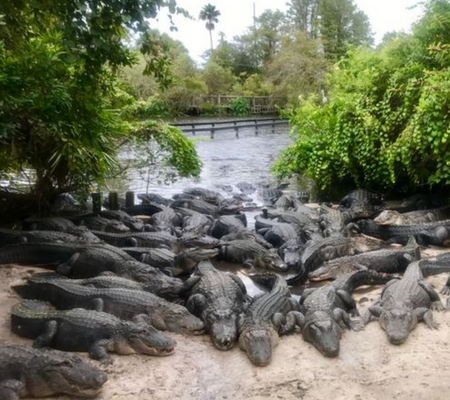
column 240, row 107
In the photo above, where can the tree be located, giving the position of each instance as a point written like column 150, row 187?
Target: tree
column 303, row 15
column 60, row 112
column 342, row 24
column 210, row 14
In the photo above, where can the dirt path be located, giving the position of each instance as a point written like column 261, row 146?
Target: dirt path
column 367, row 368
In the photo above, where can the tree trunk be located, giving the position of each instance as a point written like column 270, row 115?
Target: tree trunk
column 210, row 40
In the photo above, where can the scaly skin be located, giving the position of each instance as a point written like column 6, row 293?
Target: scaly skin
column 250, row 253
column 227, row 224
column 218, row 299
column 361, row 204
column 269, row 315
column 84, row 330
column 385, row 260
column 135, row 224
column 404, row 303
column 123, row 303
column 30, row 372
column 11, row 236
column 326, row 307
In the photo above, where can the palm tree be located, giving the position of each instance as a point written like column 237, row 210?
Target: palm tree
column 209, row 13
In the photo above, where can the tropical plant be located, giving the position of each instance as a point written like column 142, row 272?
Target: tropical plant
column 240, row 107
column 210, row 14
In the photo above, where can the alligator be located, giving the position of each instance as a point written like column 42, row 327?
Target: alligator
column 80, row 261
column 218, row 299
column 207, row 195
column 194, row 222
column 436, row 265
column 245, row 234
column 333, row 222
column 269, row 195
column 433, row 233
column 246, row 188
column 422, row 202
column 227, row 224
column 282, row 234
column 27, row 372
column 270, row 315
column 251, row 254
column 148, row 209
column 140, row 239
column 403, row 304
column 203, row 242
column 305, row 221
column 134, row 224
column 58, row 224
column 167, row 218
column 154, row 198
column 361, row 204
column 391, row 261
column 97, row 223
column 391, row 217
column 204, row 207
column 85, row 330
column 323, row 309
column 166, row 260
column 11, row 236
column 287, row 203
column 316, row 253
column 123, row 303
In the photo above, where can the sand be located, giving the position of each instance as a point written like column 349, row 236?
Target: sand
column 367, row 368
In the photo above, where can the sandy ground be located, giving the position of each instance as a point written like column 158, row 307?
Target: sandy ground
column 368, row 367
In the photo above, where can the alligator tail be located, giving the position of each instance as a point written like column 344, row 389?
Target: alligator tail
column 267, row 279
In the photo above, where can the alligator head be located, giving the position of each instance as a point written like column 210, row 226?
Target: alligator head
column 292, row 256
column 222, row 327
column 271, row 260
column 329, row 270
column 388, row 217
column 143, row 339
column 257, row 340
column 323, row 332
column 60, row 373
column 182, row 321
column 188, row 260
column 398, row 322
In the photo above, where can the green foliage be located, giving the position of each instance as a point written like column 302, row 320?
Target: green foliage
column 218, row 79
column 209, row 108
column 386, row 124
column 240, row 107
column 153, row 107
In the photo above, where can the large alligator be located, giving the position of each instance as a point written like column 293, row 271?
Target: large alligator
column 390, row 261
column 83, row 330
column 153, row 198
column 167, row 219
column 167, row 260
column 194, row 222
column 421, row 202
column 218, row 299
column 392, row 217
column 251, row 254
column 123, row 303
column 149, row 208
column 86, row 261
column 269, row 315
column 404, row 303
column 282, row 234
column 228, row 223
column 27, row 372
column 98, row 223
column 433, row 233
column 140, row 239
column 361, row 204
column 135, row 224
column 333, row 222
column 207, row 208
column 327, row 307
column 12, row 236
column 328, row 249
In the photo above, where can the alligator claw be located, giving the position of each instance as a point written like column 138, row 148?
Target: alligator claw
column 437, row 306
column 445, row 290
column 356, row 326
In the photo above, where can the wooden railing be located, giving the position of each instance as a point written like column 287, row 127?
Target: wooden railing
column 258, row 104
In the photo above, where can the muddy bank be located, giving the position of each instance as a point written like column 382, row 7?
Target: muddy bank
column 368, row 367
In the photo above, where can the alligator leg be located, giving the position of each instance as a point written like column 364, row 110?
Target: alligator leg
column 306, row 293
column 294, row 304
column 239, row 282
column 279, row 320
column 293, row 318
column 372, row 313
column 436, row 303
column 446, row 289
column 340, row 315
column 349, row 302
column 387, row 285
column 98, row 304
column 98, row 351
column 249, row 264
column 46, row 337
column 196, row 304
column 425, row 315
column 10, row 389
column 66, row 268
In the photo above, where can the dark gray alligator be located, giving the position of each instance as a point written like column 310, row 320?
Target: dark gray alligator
column 251, row 254
column 326, row 307
column 246, row 188
column 168, row 261
column 391, row 261
column 82, row 261
column 391, row 217
column 270, row 315
column 228, row 223
column 97, row 223
column 154, row 198
column 27, row 372
column 326, row 249
column 288, row 203
column 134, row 224
column 204, row 207
column 269, row 195
column 333, row 222
column 422, row 202
column 245, row 234
column 433, row 233
column 149, row 208
column 167, row 218
column 140, row 239
column 194, row 222
column 282, row 234
column 83, row 330
column 218, row 299
column 404, row 303
column 12, row 236
column 123, row 303
column 361, row 204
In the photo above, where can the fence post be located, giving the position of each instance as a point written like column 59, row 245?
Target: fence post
column 236, row 129
column 193, row 129
column 212, row 130
column 113, row 201
column 96, row 202
column 129, row 199
column 256, row 127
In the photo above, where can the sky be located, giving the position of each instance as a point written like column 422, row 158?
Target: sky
column 237, row 15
